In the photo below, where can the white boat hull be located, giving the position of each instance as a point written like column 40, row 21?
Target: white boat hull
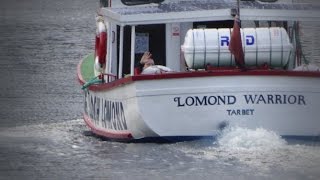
column 201, row 106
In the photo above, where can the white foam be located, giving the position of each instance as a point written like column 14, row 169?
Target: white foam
column 258, row 149
column 249, row 139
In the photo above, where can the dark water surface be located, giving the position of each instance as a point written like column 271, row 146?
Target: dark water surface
column 41, row 43
column 42, row 135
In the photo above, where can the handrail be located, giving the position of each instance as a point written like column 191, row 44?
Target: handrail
column 108, row 77
column 100, row 79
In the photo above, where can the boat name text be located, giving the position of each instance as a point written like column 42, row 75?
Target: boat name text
column 105, row 113
column 247, row 98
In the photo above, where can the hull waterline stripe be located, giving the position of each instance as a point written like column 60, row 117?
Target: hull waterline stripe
column 106, row 133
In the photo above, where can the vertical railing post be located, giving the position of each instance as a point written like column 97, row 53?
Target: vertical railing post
column 120, row 53
column 133, row 37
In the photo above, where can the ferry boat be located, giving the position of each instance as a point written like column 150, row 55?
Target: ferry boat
column 213, row 73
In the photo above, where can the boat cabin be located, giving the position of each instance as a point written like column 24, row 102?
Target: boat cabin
column 160, row 26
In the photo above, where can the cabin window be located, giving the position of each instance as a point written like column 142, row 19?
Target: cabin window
column 153, row 35
column 213, row 24
column 268, row 0
column 104, row 3
column 138, row 2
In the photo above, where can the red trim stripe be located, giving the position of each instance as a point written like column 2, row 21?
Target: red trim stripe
column 131, row 79
column 113, row 134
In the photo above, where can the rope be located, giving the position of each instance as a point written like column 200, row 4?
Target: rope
column 91, row 82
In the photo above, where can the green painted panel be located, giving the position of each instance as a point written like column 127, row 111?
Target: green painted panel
column 87, row 67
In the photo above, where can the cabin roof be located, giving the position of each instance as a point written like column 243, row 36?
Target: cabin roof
column 210, row 10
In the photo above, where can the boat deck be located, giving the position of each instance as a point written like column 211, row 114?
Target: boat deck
column 86, row 73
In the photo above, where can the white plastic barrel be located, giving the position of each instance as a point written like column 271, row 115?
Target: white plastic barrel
column 260, row 45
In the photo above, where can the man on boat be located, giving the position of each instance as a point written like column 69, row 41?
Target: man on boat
column 149, row 67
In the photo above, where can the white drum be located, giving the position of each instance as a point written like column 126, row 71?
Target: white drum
column 260, row 45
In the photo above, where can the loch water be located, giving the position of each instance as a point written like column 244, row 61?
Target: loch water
column 42, row 135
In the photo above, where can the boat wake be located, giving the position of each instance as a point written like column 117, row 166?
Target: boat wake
column 247, row 139
column 247, row 153
column 258, row 150
column 57, row 139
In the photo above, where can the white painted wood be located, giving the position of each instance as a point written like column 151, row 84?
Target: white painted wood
column 133, row 37
column 152, row 106
column 173, row 34
column 120, row 53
